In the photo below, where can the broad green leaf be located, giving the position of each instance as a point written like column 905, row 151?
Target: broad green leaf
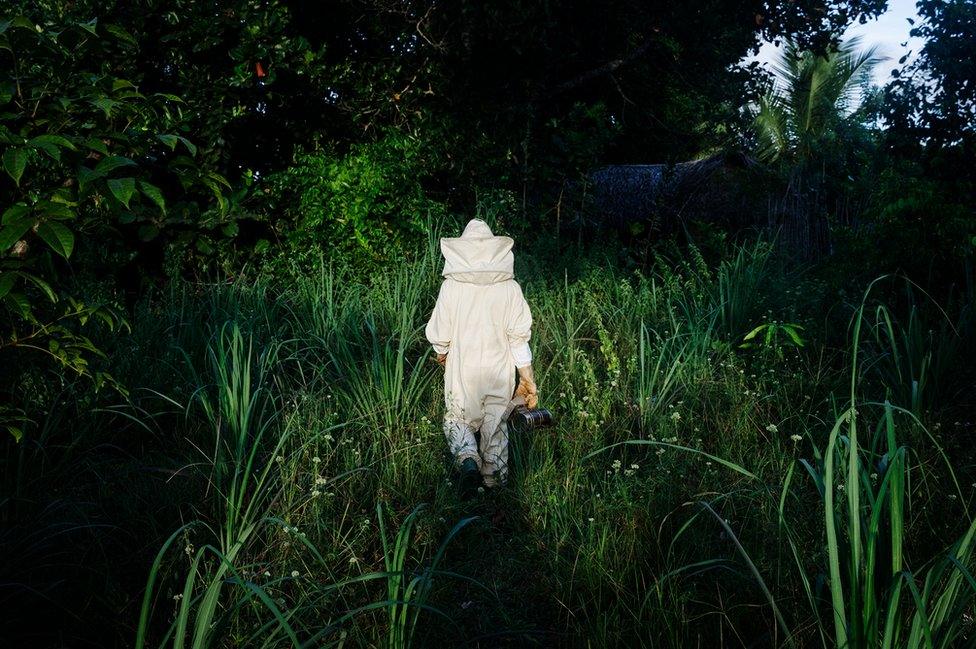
column 752, row 334
column 122, row 189
column 56, row 211
column 11, row 234
column 190, row 146
column 7, row 91
column 119, row 84
column 180, row 162
column 90, row 26
column 86, row 176
column 148, row 232
column 55, row 140
column 169, row 140
column 152, row 192
column 105, row 317
column 14, row 162
column 52, row 151
column 58, row 237
column 16, row 432
column 95, row 144
column 794, row 336
column 7, row 281
column 105, row 104
column 19, row 304
column 106, row 165
column 121, row 34
column 171, row 97
column 215, row 188
column 24, row 23
column 220, row 179
column 7, row 136
column 14, row 213
column 41, row 284
column 65, row 196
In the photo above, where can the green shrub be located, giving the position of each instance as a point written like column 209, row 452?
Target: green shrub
column 362, row 207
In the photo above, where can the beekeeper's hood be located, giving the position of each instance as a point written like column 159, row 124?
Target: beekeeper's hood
column 478, row 256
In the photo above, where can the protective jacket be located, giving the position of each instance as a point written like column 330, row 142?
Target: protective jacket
column 482, row 322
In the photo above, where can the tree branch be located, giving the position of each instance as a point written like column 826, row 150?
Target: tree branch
column 607, row 68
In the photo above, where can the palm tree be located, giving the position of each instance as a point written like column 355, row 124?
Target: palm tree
column 811, row 127
column 814, row 97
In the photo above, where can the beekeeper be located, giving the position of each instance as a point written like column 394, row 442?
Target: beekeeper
column 480, row 331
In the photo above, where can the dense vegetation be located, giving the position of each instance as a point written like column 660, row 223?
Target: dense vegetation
column 218, row 250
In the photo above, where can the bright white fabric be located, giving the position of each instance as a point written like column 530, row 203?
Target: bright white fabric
column 483, row 323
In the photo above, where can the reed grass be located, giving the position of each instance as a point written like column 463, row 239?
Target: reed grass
column 691, row 493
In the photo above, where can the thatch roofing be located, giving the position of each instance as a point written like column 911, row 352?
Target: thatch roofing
column 627, row 192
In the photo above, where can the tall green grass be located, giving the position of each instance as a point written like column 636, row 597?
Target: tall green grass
column 242, row 456
column 681, row 499
column 876, row 599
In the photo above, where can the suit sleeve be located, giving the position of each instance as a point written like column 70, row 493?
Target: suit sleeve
column 439, row 327
column 519, row 328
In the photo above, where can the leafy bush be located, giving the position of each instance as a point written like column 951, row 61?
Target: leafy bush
column 362, row 207
column 92, row 165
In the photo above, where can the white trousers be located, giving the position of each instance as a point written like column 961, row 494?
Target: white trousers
column 491, row 454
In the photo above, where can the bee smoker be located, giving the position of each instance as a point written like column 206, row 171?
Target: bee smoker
column 525, row 419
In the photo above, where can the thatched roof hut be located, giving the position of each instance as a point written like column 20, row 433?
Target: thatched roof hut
column 711, row 189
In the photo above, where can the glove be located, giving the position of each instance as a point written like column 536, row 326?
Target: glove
column 442, row 360
column 527, row 388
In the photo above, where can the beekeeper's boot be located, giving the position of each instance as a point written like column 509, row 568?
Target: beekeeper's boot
column 470, row 478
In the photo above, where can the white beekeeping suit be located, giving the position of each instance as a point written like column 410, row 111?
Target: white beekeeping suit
column 482, row 323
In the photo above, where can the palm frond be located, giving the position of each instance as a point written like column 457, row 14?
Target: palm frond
column 813, row 95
